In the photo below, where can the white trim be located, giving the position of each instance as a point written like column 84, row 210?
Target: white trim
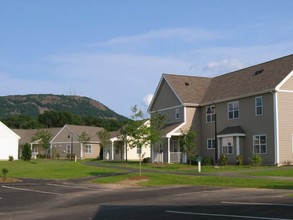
column 284, row 90
column 284, row 81
column 231, row 135
column 276, row 128
column 237, row 146
column 236, row 101
column 259, row 135
column 255, row 105
column 169, row 108
column 212, row 140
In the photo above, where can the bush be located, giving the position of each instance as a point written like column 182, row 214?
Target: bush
column 26, row 152
column 239, row 160
column 147, row 160
column 10, row 158
column 256, row 160
column 4, row 173
column 223, row 160
column 207, row 161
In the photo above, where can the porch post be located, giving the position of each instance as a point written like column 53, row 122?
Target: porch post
column 237, row 146
column 81, row 155
column 168, row 159
column 112, row 151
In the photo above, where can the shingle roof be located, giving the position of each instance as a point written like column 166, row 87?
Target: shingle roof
column 91, row 131
column 255, row 79
column 252, row 80
column 232, row 130
column 189, row 89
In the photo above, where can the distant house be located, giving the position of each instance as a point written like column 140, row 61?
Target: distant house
column 8, row 143
column 69, row 141
column 64, row 141
column 249, row 111
column 120, row 149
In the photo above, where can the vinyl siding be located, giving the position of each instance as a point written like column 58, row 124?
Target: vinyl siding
column 288, row 85
column 285, row 105
column 250, row 123
column 165, row 98
column 170, row 115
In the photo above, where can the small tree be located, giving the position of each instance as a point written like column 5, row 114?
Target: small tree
column 139, row 132
column 84, row 138
column 26, row 152
column 104, row 136
column 43, row 137
column 187, row 144
column 4, row 173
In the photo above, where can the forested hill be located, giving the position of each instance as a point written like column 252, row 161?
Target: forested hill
column 36, row 104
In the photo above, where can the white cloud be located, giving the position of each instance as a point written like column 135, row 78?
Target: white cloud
column 147, row 99
column 181, row 34
column 223, row 66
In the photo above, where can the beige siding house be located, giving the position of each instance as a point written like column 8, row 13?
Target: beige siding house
column 249, row 111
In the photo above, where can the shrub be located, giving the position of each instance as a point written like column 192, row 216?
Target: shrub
column 4, row 173
column 223, row 160
column 147, row 160
column 26, row 152
column 256, row 160
column 239, row 160
column 207, row 161
column 10, row 158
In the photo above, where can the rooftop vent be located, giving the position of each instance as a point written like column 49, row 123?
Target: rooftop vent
column 187, row 83
column 258, row 72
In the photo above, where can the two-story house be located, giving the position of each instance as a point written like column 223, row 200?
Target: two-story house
column 244, row 112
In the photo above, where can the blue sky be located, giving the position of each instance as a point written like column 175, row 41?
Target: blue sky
column 115, row 51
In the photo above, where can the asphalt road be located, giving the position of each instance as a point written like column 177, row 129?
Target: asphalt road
column 40, row 199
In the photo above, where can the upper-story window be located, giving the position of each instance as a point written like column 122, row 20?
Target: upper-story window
column 233, row 110
column 210, row 114
column 258, row 106
column 177, row 113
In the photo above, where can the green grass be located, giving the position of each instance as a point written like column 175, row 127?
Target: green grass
column 64, row 169
column 52, row 169
column 171, row 179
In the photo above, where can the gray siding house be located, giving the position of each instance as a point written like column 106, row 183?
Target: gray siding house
column 249, row 111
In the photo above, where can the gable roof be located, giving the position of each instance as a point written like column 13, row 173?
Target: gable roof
column 253, row 80
column 7, row 132
column 190, row 89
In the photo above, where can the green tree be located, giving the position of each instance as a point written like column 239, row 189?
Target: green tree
column 43, row 137
column 26, row 152
column 139, row 132
column 84, row 138
column 187, row 144
column 104, row 136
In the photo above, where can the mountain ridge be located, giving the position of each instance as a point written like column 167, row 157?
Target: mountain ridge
column 36, row 104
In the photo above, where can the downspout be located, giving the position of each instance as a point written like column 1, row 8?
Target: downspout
column 168, row 151
column 276, row 128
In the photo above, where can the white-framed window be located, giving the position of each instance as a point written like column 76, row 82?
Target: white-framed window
column 68, row 148
column 258, row 106
column 176, row 146
column 211, row 144
column 88, row 149
column 260, row 144
column 210, row 114
column 177, row 113
column 233, row 110
column 227, row 146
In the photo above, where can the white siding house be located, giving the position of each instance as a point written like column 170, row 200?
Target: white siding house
column 8, row 143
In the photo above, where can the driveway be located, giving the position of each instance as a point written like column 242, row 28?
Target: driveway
column 42, row 199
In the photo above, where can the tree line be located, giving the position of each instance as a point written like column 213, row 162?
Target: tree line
column 50, row 119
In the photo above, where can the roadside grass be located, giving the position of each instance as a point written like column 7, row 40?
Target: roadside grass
column 277, row 172
column 52, row 169
column 171, row 179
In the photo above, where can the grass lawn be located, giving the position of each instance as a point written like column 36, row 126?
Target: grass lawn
column 64, row 169
column 51, row 169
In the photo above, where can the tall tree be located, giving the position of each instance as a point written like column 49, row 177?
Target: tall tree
column 187, row 144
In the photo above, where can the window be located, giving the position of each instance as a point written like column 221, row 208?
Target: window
column 177, row 113
column 210, row 114
column 211, row 143
column 259, row 144
column 68, row 148
column 227, row 145
column 175, row 146
column 88, row 149
column 233, row 110
column 258, row 106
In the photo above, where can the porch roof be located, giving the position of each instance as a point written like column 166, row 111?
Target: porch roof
column 232, row 131
column 172, row 130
